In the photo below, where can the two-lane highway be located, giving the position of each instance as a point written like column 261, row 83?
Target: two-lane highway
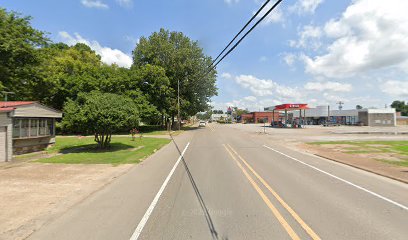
column 220, row 183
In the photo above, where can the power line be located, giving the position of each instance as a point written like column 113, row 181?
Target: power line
column 246, row 34
column 242, row 29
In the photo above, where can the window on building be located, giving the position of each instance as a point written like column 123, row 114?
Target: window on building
column 33, row 127
column 16, row 128
column 50, row 126
column 24, row 127
column 42, row 127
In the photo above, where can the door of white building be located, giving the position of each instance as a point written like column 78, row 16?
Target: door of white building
column 3, row 144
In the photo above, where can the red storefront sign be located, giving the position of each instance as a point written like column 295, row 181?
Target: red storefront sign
column 291, row 106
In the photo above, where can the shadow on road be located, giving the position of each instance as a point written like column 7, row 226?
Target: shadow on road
column 207, row 215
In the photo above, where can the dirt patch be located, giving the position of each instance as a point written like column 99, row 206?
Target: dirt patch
column 366, row 161
column 34, row 193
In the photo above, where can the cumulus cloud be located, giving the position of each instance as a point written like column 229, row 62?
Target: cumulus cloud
column 309, row 37
column 125, row 3
column 328, row 86
column 396, row 88
column 231, row 1
column 94, row 4
column 226, row 75
column 370, row 35
column 273, row 17
column 289, row 58
column 266, row 87
column 305, row 6
column 108, row 55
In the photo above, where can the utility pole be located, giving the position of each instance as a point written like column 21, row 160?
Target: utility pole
column 6, row 94
column 340, row 103
column 178, row 104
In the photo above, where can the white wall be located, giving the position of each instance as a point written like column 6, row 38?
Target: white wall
column 5, row 121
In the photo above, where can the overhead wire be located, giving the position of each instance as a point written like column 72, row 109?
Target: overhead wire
column 212, row 66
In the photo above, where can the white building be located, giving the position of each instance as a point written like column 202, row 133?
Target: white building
column 217, row 117
column 25, row 127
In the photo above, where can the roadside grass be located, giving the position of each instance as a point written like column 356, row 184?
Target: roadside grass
column 399, row 148
column 83, row 150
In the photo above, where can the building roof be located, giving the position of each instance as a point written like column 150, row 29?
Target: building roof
column 4, row 104
column 291, row 106
column 6, row 109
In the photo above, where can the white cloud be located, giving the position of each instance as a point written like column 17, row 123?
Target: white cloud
column 231, row 1
column 275, row 16
column 266, row 87
column 250, row 98
column 289, row 58
column 125, row 3
column 226, row 75
column 328, row 86
column 305, row 6
column 308, row 38
column 396, row 88
column 370, row 35
column 263, row 59
column 108, row 55
column 94, row 4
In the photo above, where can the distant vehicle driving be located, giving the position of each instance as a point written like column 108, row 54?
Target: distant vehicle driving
column 202, row 124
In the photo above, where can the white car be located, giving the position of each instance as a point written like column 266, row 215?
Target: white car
column 202, row 124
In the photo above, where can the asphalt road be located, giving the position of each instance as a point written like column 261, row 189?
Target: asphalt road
column 230, row 184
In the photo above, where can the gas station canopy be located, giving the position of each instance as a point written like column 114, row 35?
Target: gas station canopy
column 291, row 106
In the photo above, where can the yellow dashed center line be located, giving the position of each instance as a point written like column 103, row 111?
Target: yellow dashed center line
column 275, row 211
column 311, row 233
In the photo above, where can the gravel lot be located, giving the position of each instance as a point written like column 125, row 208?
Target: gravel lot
column 33, row 194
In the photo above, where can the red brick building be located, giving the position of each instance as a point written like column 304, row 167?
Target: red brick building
column 259, row 117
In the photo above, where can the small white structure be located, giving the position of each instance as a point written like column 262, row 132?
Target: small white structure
column 25, row 126
column 217, row 117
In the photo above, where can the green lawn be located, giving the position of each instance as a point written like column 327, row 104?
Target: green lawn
column 83, row 150
column 399, row 148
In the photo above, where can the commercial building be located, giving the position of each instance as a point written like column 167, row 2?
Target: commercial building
column 258, row 117
column 402, row 120
column 218, row 117
column 324, row 115
column 25, row 126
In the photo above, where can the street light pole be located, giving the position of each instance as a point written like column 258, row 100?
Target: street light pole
column 178, row 103
column 6, row 94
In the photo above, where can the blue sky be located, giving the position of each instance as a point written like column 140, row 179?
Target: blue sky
column 310, row 51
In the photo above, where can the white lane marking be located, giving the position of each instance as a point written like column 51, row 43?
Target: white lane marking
column 343, row 180
column 149, row 211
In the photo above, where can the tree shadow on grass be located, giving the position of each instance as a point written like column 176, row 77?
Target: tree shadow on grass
column 93, row 148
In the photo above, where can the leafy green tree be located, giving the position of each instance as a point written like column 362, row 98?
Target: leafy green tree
column 100, row 114
column 358, row 107
column 19, row 55
column 68, row 71
column 400, row 106
column 154, row 83
column 183, row 61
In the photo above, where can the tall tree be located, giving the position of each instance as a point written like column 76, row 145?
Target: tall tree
column 100, row 114
column 400, row 106
column 183, row 61
column 19, row 56
column 154, row 83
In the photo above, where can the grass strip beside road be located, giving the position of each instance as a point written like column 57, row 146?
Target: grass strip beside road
column 393, row 148
column 83, row 150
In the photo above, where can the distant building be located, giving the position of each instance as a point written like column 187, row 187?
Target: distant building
column 217, row 117
column 258, row 117
column 25, row 126
column 322, row 115
column 401, row 120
